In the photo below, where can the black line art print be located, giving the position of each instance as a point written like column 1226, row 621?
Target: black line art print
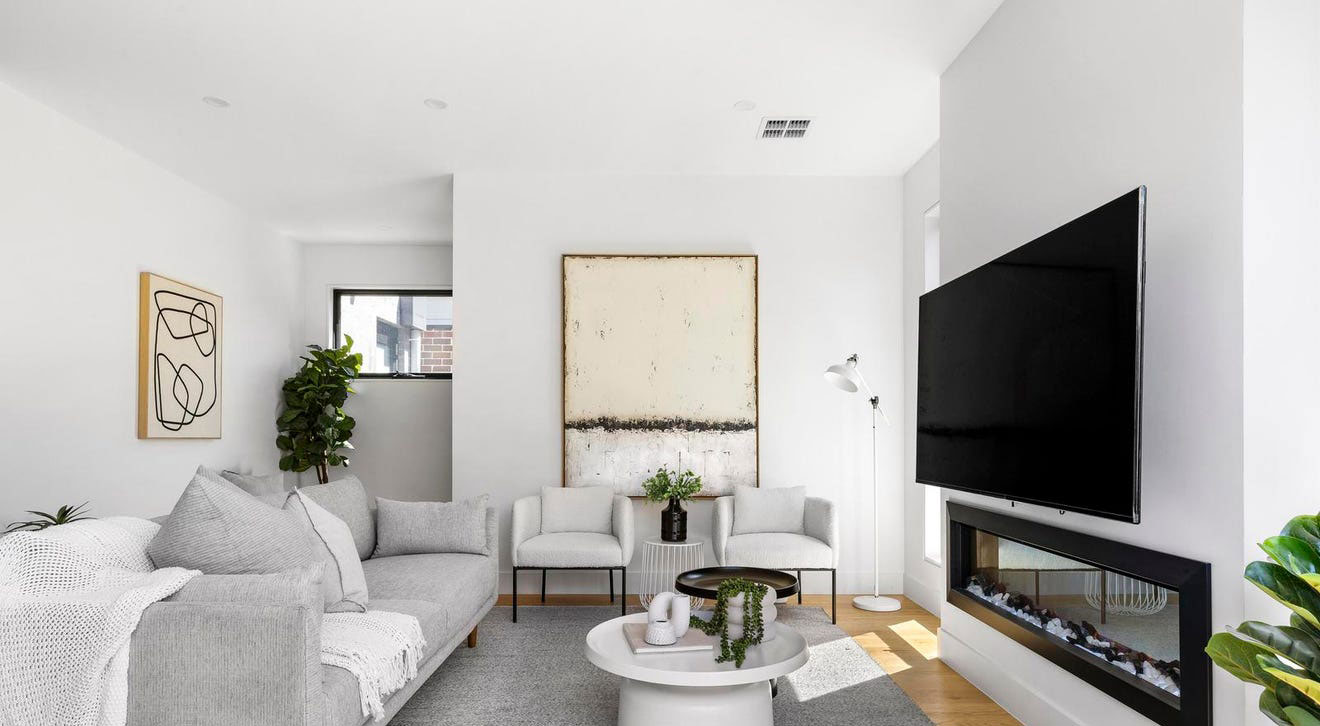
column 184, row 352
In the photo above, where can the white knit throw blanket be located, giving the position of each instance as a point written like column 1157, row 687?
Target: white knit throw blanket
column 70, row 597
column 381, row 648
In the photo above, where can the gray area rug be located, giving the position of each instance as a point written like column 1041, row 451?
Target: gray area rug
column 536, row 673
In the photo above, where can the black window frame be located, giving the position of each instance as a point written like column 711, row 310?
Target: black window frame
column 338, row 293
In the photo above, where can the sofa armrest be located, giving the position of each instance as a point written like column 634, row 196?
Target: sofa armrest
column 723, row 527
column 622, row 518
column 526, row 524
column 493, row 539
column 821, row 522
column 228, row 649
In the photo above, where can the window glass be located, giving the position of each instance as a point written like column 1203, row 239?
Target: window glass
column 400, row 333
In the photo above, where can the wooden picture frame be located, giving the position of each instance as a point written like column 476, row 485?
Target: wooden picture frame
column 180, row 360
column 660, row 367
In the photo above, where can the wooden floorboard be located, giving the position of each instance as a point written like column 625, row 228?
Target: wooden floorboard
column 902, row 642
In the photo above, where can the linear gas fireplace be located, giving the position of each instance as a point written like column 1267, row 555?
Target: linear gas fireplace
column 1129, row 621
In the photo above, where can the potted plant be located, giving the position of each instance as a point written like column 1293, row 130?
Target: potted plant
column 1285, row 659
column 63, row 515
column 676, row 488
column 313, row 428
column 738, row 618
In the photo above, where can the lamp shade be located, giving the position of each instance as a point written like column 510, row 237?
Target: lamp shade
column 844, row 376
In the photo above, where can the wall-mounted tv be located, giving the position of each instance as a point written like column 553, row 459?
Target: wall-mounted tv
column 1029, row 370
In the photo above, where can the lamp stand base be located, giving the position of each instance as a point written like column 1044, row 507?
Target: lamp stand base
column 876, row 603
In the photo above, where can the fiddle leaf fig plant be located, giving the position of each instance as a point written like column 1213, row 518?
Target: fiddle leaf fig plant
column 1284, row 659
column 313, row 428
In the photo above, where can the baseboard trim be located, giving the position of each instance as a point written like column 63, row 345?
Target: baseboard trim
column 577, row 582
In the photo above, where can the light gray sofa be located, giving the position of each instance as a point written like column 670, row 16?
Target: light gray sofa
column 245, row 649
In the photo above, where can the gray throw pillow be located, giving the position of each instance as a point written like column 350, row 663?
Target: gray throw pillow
column 344, row 584
column 780, row 509
column 269, row 488
column 577, row 509
column 347, row 499
column 220, row 529
column 412, row 528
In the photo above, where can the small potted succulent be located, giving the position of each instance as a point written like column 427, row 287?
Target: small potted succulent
column 675, row 488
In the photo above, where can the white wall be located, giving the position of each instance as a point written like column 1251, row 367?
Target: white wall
column 402, row 441
column 81, row 217
column 1053, row 109
column 923, row 580
column 1281, row 261
column 830, row 281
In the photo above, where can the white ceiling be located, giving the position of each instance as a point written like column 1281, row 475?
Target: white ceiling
column 327, row 137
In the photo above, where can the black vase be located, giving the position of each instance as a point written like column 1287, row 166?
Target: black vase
column 673, row 522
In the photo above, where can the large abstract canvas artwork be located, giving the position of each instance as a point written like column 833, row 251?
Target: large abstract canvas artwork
column 180, row 341
column 660, row 370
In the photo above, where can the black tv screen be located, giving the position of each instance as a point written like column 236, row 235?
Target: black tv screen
column 1029, row 370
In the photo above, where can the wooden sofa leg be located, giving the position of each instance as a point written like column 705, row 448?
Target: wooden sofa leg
column 472, row 637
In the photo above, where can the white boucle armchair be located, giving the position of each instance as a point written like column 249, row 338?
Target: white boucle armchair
column 572, row 538
column 814, row 548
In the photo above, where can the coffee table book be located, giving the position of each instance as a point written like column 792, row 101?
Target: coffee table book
column 693, row 639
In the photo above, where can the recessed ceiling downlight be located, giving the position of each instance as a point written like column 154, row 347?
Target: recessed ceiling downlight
column 215, row 101
column 744, row 105
column 435, row 104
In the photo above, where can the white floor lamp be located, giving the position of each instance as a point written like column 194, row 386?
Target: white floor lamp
column 845, row 376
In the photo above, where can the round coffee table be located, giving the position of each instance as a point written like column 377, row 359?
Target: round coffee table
column 663, row 689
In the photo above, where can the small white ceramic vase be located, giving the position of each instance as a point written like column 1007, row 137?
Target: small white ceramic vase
column 660, row 632
column 768, row 616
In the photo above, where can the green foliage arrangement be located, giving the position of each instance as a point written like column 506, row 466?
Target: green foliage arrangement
column 666, row 485
column 63, row 515
column 1285, row 659
column 753, row 625
column 313, row 427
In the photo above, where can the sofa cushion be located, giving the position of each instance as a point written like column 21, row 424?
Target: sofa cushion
column 571, row 549
column 269, row 488
column 780, row 509
column 577, row 509
column 412, row 528
column 776, row 551
column 347, row 499
column 459, row 584
column 344, row 586
column 220, row 529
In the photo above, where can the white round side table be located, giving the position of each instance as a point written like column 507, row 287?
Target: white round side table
column 663, row 561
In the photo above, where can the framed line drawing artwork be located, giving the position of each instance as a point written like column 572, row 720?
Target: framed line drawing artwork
column 180, row 360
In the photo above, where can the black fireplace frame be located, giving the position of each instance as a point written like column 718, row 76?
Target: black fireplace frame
column 1190, row 578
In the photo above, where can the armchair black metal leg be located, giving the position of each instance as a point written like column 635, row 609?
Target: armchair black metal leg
column 834, row 597
column 799, row 574
column 610, row 574
column 623, row 590
column 542, row 585
column 515, row 594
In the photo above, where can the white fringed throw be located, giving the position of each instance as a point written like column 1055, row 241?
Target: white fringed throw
column 381, row 648
column 70, row 598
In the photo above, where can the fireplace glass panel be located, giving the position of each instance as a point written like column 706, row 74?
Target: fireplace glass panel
column 1118, row 620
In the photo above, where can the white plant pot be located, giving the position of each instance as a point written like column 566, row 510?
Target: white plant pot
column 768, row 616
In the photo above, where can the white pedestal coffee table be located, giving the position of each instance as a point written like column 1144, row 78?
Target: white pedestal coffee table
column 664, row 689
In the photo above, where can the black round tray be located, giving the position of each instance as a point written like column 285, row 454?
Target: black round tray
column 704, row 582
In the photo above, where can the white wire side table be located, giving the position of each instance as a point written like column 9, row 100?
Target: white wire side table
column 663, row 561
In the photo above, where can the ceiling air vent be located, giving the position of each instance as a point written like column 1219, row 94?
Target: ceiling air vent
column 783, row 128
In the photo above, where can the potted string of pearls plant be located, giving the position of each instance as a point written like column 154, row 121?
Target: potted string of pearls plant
column 738, row 618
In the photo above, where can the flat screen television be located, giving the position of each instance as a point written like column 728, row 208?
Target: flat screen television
column 1029, row 370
